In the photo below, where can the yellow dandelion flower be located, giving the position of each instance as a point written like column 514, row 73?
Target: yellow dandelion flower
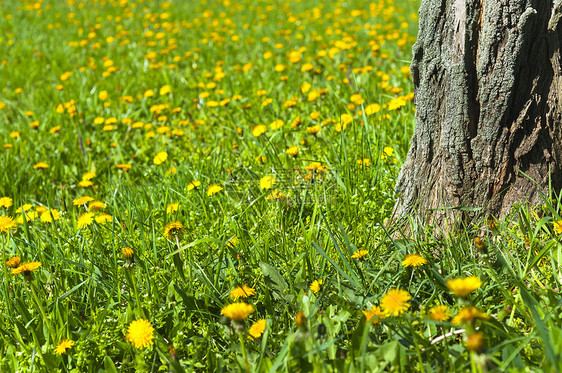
column 374, row 315
column 13, row 262
column 313, row 130
column 292, row 150
column 316, row 286
column 468, row 315
column 359, row 254
column 41, row 165
column 140, row 333
column 475, row 342
column 365, row 162
column 41, row 209
column 316, row 167
column 259, row 130
column 276, row 124
column 387, row 152
column 85, row 219
column 31, row 215
column 25, row 207
column 356, row 99
column 243, row 291
column 300, row 319
column 238, row 311
column 164, row 90
column 173, row 229
column 85, row 183
column 88, row 176
column 275, row 194
column 26, row 268
column 50, row 215
column 345, row 119
column 123, row 166
column 233, row 243
column 395, row 302
column 63, row 345
column 6, row 223
column 267, row 182
column 461, row 287
column 558, row 226
column 213, row 189
column 128, row 253
column 82, row 200
column 413, row 260
column 172, row 207
column 307, row 67
column 96, row 205
column 372, row 109
column 257, row 329
column 439, row 313
column 160, row 158
column 103, row 218
column 479, row 243
column 6, row 202
column 193, row 185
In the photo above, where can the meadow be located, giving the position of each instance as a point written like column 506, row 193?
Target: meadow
column 208, row 186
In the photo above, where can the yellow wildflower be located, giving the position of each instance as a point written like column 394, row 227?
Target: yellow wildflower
column 440, row 313
column 237, row 311
column 63, row 345
column 140, row 333
column 257, row 328
column 374, row 315
column 395, row 302
column 413, row 260
column 316, row 286
column 461, row 287
column 242, row 291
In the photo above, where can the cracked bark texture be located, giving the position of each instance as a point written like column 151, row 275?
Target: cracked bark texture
column 488, row 92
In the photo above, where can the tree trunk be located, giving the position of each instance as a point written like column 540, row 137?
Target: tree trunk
column 488, row 93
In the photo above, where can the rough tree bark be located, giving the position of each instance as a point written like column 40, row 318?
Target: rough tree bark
column 488, row 92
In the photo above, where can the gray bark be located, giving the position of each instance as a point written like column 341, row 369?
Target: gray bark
column 488, row 92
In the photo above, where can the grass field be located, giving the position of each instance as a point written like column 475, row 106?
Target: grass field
column 208, row 186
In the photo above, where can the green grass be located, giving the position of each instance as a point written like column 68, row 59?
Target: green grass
column 59, row 57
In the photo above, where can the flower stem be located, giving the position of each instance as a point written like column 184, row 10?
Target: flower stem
column 246, row 366
column 131, row 279
column 41, row 310
column 6, row 285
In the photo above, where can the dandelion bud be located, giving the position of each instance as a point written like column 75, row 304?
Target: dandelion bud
column 128, row 253
column 300, row 320
column 14, row 262
column 480, row 245
column 475, row 342
column 321, row 330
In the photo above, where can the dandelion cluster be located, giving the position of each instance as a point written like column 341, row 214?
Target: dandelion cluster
column 222, row 174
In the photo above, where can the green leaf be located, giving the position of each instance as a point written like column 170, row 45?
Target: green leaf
column 272, row 272
column 355, row 282
column 108, row 365
column 531, row 303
